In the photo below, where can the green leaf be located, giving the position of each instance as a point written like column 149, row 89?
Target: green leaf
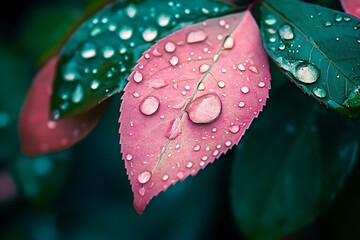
column 290, row 165
column 317, row 48
column 98, row 58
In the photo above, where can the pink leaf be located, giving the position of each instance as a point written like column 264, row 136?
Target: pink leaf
column 189, row 99
column 352, row 7
column 39, row 134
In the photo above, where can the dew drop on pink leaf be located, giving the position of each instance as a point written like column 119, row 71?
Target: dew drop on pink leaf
column 205, row 91
column 352, row 7
column 38, row 133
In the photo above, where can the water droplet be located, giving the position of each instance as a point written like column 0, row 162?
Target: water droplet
column 149, row 105
column 170, row 47
column 4, row 119
column 180, row 175
column 165, row 177
column 234, row 129
column 196, row 36
column 307, row 73
column 270, row 20
column 138, row 77
column 56, row 114
column 164, row 20
column 286, row 32
column 144, row 177
column 222, row 23
column 156, row 53
column 254, row 69
column 136, row 94
column 241, row 67
column 282, row 46
column 190, row 164
column 149, row 34
column 78, row 94
column 142, row 191
column 131, row 10
column 245, row 89
column 95, row 84
column 204, row 68
column 88, row 50
column 174, row 129
column 201, row 87
column 327, row 24
column 197, row 148
column 229, row 42
column 51, row 124
column 319, row 92
column 241, row 104
column 261, row 84
column 228, row 143
column 108, row 52
column 202, row 164
column 348, row 19
column 221, row 84
column 129, row 157
column 204, row 158
column 174, row 60
column 205, row 109
column 338, row 18
column 215, row 153
column 126, row 32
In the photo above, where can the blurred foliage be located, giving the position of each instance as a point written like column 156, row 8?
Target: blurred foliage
column 84, row 193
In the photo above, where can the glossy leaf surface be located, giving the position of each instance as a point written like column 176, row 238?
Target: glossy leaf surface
column 99, row 56
column 317, row 48
column 189, row 99
column 38, row 133
column 352, row 7
column 290, row 165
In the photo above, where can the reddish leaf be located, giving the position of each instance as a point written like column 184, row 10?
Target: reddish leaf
column 190, row 98
column 352, row 7
column 40, row 135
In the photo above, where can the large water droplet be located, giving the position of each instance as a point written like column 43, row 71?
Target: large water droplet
column 205, row 109
column 88, row 50
column 306, row 72
column 319, row 92
column 144, row 177
column 170, row 47
column 78, row 94
column 149, row 34
column 174, row 129
column 149, row 105
column 286, row 32
column 138, row 77
column 196, row 36
column 229, row 42
column 126, row 32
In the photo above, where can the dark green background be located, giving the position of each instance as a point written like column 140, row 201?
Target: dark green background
column 84, row 193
